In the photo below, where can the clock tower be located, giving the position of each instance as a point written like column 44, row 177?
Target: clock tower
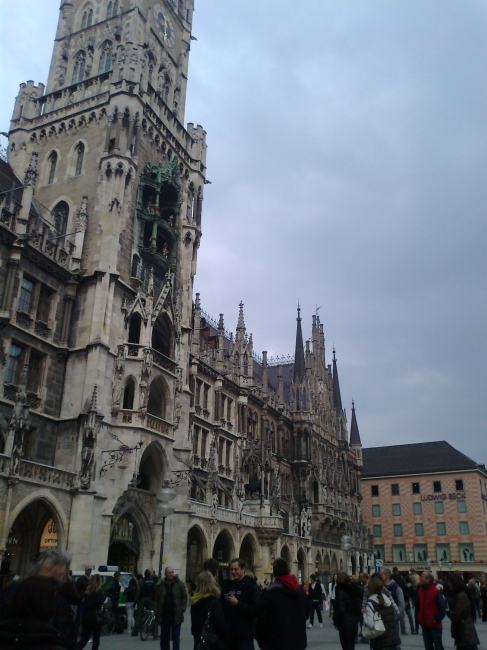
column 118, row 182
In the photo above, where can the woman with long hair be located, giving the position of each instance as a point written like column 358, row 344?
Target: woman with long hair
column 347, row 610
column 206, row 600
column 460, row 613
column 92, row 604
column 483, row 596
column 414, row 598
column 331, row 592
column 379, row 602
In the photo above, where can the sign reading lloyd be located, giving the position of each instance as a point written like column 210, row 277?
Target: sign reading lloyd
column 443, row 497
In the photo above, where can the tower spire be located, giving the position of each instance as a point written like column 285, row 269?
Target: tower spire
column 354, row 432
column 337, row 398
column 299, row 364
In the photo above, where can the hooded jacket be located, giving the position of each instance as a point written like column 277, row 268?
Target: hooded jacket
column 390, row 637
column 281, row 619
column 240, row 618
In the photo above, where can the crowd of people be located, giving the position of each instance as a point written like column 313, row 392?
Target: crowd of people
column 49, row 611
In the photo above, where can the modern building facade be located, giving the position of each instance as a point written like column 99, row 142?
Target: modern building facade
column 113, row 380
column 426, row 505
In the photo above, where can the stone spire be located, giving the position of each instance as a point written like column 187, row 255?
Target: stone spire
column 299, row 364
column 337, row 398
column 354, row 432
column 241, row 323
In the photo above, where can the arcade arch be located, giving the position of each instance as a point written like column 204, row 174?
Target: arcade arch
column 224, row 549
column 196, row 553
column 286, row 554
column 302, row 568
column 249, row 552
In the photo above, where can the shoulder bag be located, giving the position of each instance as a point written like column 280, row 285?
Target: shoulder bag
column 208, row 639
column 378, row 629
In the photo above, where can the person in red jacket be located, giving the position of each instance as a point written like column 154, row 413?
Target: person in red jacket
column 432, row 610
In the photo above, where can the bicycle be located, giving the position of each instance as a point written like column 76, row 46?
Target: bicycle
column 108, row 624
column 148, row 625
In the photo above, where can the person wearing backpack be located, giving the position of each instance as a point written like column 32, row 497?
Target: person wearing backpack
column 379, row 603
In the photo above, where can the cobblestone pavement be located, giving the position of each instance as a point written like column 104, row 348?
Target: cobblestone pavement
column 323, row 639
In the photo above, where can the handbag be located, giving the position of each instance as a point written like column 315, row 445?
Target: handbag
column 208, row 639
column 100, row 617
column 378, row 629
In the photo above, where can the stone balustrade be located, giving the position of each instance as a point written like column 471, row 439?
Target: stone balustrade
column 207, row 511
column 37, row 473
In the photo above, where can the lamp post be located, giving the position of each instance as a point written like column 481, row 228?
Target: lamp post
column 411, row 560
column 165, row 496
column 346, row 545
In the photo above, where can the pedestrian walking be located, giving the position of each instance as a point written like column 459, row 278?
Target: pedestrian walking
column 397, row 595
column 144, row 598
column 206, row 606
column 331, row 593
column 130, row 595
column 283, row 610
column 432, row 609
column 31, row 610
column 483, row 596
column 462, row 625
column 379, row 602
column 112, row 590
column 240, row 599
column 81, row 583
column 413, row 596
column 171, row 600
column 347, row 610
column 92, row 619
column 315, row 596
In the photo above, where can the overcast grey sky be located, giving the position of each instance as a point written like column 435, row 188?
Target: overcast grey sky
column 347, row 155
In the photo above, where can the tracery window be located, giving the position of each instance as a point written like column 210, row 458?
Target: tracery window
column 87, row 20
column 112, row 9
column 105, row 63
column 80, row 152
column 79, row 68
column 52, row 168
column 60, row 215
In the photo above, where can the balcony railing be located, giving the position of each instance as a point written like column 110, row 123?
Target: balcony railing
column 136, row 351
column 147, row 420
column 38, row 473
column 205, row 510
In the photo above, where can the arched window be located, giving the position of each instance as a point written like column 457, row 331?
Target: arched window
column 134, row 329
column 115, row 8
column 90, row 18
column 60, row 215
column 52, row 167
column 110, row 9
column 128, row 394
column 105, row 58
column 156, row 404
column 85, row 19
column 80, row 152
column 79, row 68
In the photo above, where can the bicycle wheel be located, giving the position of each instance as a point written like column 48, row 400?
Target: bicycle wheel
column 109, row 625
column 144, row 630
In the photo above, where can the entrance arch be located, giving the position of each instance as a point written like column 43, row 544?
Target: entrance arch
column 286, row 554
column 124, row 547
column 319, row 565
column 36, row 527
column 354, row 564
column 152, row 468
column 302, row 572
column 224, row 550
column 196, row 552
column 334, row 565
column 248, row 551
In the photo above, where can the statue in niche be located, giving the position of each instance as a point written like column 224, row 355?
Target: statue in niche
column 214, row 505
column 87, row 458
column 332, row 498
column 117, row 391
column 339, row 502
column 303, row 522
column 325, row 493
column 177, row 411
column 308, row 522
column 240, row 505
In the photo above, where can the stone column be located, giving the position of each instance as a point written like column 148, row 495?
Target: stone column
column 68, row 311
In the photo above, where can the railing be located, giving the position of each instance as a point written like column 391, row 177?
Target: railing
column 10, row 391
column 38, row 473
column 232, row 516
column 157, row 424
column 136, row 351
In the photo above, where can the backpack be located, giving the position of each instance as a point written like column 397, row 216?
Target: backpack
column 378, row 629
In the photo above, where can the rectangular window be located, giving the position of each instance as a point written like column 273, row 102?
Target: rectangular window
column 34, row 372
column 398, row 553
column 439, row 508
column 417, row 508
column 205, row 396
column 443, row 553
column 465, row 552
column 377, row 530
column 198, row 392
column 14, row 364
column 374, row 490
column 25, row 295
column 397, row 530
column 395, row 489
column 436, row 486
column 416, row 489
column 464, row 529
column 227, row 456
column 462, row 505
column 204, row 436
column 379, row 551
column 420, row 552
column 376, row 510
column 419, row 530
column 441, row 528
column 44, row 305
column 396, row 509
column 196, row 439
column 459, row 485
column 229, row 410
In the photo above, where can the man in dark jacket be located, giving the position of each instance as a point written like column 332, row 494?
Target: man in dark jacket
column 240, row 600
column 171, row 601
column 281, row 619
column 315, row 595
column 144, row 599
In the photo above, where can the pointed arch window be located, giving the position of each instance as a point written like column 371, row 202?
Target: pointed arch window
column 52, row 167
column 79, row 68
column 80, row 153
column 85, row 19
column 60, row 215
column 110, row 9
column 90, row 18
column 115, row 8
column 128, row 394
column 105, row 63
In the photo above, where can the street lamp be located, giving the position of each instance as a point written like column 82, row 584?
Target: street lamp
column 411, row 560
column 165, row 496
column 346, row 544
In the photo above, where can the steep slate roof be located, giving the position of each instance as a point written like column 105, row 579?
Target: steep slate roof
column 299, row 363
column 416, row 458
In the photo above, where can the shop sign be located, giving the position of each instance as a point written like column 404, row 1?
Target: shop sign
column 443, row 497
column 13, row 541
column 49, row 536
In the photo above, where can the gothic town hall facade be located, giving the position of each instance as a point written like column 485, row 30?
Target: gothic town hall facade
column 113, row 379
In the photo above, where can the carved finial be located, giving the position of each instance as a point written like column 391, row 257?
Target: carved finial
column 299, row 312
column 93, row 404
column 31, row 173
column 221, row 326
column 197, row 302
column 241, row 322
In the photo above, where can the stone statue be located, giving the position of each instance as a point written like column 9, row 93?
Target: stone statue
column 87, row 458
column 214, row 505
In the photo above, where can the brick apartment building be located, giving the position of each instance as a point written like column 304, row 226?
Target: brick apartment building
column 426, row 505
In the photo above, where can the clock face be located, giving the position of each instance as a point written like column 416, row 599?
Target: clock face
column 164, row 25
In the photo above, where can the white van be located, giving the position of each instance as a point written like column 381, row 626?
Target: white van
column 106, row 573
